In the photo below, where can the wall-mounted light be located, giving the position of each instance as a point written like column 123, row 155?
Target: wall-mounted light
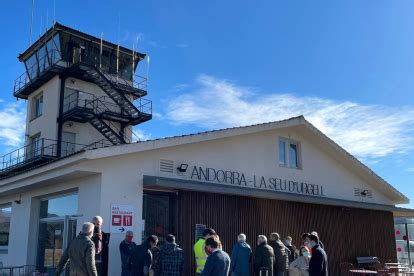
column 182, row 168
column 364, row 192
column 18, row 201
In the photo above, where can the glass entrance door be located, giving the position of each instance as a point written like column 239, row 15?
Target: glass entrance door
column 54, row 235
column 159, row 214
column 57, row 227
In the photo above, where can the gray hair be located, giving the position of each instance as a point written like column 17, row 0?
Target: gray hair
column 129, row 233
column 262, row 238
column 241, row 237
column 275, row 236
column 87, row 228
column 315, row 233
column 97, row 218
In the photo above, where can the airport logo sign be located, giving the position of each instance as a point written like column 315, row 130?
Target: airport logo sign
column 235, row 178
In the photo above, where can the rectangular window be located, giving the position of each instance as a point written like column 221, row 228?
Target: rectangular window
column 59, row 206
column 5, row 214
column 282, row 153
column 37, row 106
column 289, row 153
column 293, row 155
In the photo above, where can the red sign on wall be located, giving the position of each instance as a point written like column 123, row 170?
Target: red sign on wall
column 122, row 218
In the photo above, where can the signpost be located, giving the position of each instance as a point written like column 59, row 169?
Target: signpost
column 122, row 218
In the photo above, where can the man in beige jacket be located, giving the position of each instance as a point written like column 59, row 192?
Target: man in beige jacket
column 81, row 253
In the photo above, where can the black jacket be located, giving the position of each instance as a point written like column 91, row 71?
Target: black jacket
column 141, row 259
column 318, row 265
column 292, row 252
column 281, row 256
column 264, row 257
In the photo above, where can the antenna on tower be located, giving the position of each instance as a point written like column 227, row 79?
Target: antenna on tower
column 54, row 12
column 47, row 18
column 31, row 23
column 41, row 25
column 100, row 53
column 148, row 64
column 133, row 61
column 117, row 49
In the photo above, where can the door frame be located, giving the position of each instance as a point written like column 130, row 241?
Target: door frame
column 173, row 206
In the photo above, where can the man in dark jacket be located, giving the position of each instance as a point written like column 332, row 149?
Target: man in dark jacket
column 141, row 257
column 241, row 257
column 170, row 259
column 264, row 257
column 218, row 262
column 101, row 241
column 281, row 255
column 80, row 253
column 318, row 264
column 126, row 247
column 292, row 249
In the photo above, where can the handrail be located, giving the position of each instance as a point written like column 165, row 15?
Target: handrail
column 38, row 149
column 54, row 57
column 51, row 57
column 99, row 106
column 73, row 100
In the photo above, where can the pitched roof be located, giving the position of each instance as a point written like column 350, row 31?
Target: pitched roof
column 298, row 121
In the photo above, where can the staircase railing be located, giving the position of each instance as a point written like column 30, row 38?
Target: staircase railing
column 90, row 101
column 102, row 105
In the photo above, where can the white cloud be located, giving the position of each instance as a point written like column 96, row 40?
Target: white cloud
column 12, row 124
column 140, row 135
column 367, row 131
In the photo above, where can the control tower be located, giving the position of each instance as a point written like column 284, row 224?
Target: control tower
column 82, row 93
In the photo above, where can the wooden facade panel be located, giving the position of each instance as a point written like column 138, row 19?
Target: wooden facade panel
column 346, row 232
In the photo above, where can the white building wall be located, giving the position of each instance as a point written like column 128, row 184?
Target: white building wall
column 24, row 224
column 46, row 124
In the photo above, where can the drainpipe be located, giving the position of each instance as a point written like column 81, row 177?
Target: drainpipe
column 59, row 121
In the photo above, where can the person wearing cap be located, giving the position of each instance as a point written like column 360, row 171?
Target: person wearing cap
column 320, row 242
column 125, row 248
column 199, row 250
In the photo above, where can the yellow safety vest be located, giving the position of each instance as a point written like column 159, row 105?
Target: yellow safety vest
column 200, row 255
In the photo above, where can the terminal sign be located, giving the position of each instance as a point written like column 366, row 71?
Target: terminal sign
column 122, row 218
column 258, row 182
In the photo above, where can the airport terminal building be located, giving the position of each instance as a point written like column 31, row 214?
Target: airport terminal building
column 79, row 161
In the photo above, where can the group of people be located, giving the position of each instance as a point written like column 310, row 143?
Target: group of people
column 275, row 257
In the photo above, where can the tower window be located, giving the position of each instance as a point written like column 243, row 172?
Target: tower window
column 37, row 106
column 289, row 153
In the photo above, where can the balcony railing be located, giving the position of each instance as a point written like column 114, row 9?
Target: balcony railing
column 53, row 59
column 42, row 150
column 104, row 104
column 37, row 70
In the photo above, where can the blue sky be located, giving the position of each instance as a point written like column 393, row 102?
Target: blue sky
column 348, row 66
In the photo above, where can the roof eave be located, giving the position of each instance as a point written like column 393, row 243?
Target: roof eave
column 57, row 27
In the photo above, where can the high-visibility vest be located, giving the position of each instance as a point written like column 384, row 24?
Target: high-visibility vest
column 200, row 255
